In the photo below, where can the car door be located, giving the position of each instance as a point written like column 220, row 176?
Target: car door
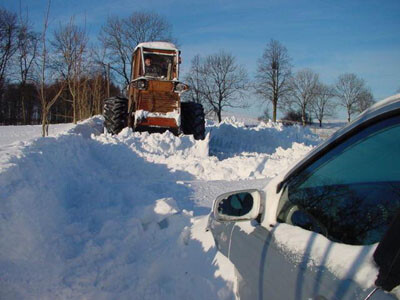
column 331, row 215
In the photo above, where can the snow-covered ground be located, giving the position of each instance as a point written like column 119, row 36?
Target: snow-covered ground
column 11, row 134
column 328, row 127
column 84, row 215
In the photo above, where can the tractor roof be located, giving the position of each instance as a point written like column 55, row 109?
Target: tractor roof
column 157, row 45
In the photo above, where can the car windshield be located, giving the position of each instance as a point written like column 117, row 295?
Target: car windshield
column 353, row 190
column 158, row 65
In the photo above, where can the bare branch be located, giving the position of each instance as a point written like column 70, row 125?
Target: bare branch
column 121, row 36
column 273, row 73
column 8, row 40
column 323, row 106
column 303, row 90
column 217, row 82
column 348, row 89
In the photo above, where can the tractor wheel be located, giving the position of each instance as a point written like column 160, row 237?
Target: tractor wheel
column 192, row 120
column 115, row 114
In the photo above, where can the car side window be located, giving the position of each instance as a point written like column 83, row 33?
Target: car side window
column 352, row 193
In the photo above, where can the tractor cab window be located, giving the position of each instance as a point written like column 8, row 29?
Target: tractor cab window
column 158, row 65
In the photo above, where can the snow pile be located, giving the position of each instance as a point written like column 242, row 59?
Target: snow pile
column 86, row 215
column 88, row 127
column 231, row 137
column 143, row 114
column 86, row 219
column 191, row 156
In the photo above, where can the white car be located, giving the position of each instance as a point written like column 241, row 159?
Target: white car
column 312, row 232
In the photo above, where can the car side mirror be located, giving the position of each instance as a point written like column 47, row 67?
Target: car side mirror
column 238, row 206
column 387, row 257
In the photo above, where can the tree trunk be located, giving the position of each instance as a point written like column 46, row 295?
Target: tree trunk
column 44, row 122
column 74, row 109
column 303, row 116
column 274, row 111
column 22, row 91
column 219, row 116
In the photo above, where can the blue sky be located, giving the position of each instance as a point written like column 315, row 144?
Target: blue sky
column 330, row 37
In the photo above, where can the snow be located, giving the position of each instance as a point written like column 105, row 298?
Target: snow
column 157, row 45
column 11, row 134
column 334, row 256
column 143, row 114
column 87, row 215
column 232, row 137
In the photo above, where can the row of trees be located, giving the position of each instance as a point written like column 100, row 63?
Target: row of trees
column 217, row 82
column 58, row 75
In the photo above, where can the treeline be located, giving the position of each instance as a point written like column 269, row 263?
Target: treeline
column 217, row 82
column 57, row 75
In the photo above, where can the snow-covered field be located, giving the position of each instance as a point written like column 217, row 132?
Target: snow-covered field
column 11, row 134
column 84, row 215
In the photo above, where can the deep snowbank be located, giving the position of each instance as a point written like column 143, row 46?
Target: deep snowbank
column 231, row 137
column 91, row 216
column 86, row 219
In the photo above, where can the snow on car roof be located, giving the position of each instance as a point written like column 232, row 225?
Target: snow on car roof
column 157, row 45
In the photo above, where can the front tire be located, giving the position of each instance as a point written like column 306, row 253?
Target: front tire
column 192, row 120
column 115, row 114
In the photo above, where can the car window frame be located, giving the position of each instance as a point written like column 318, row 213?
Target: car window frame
column 335, row 143
column 363, row 127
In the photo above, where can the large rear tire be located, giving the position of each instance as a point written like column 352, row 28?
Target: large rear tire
column 115, row 114
column 192, row 120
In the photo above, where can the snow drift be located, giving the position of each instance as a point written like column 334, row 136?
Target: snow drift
column 85, row 215
column 232, row 137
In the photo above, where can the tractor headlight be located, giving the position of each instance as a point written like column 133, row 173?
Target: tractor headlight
column 140, row 84
column 180, row 87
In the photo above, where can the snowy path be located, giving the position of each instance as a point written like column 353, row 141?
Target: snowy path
column 85, row 215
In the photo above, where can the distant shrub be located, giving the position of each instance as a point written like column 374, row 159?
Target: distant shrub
column 295, row 117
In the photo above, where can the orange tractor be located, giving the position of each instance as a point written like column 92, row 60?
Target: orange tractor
column 153, row 102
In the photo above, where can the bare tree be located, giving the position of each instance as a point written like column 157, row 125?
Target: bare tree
column 348, row 89
column 101, row 65
column 121, row 36
column 323, row 106
column 8, row 40
column 222, row 82
column 46, row 100
column 26, row 53
column 365, row 100
column 194, row 78
column 273, row 73
column 70, row 46
column 303, row 88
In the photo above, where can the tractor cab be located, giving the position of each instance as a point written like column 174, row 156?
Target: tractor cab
column 159, row 66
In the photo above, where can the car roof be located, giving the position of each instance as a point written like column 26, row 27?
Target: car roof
column 382, row 109
column 157, row 45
